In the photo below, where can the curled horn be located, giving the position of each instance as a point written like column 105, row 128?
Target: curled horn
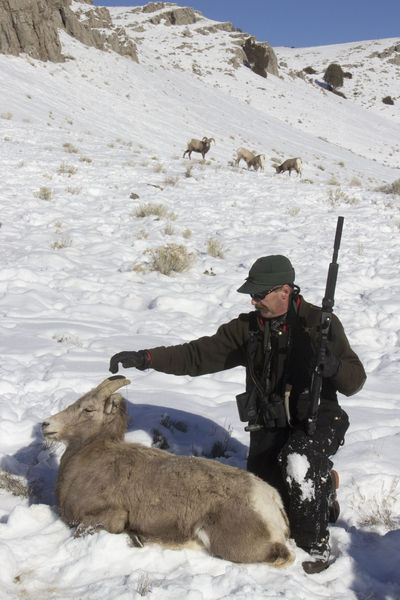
column 109, row 386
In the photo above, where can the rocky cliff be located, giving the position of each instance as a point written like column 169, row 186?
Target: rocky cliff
column 31, row 27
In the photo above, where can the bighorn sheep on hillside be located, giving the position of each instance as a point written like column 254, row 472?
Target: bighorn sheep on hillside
column 251, row 159
column 243, row 154
column 257, row 162
column 201, row 146
column 106, row 483
column 290, row 164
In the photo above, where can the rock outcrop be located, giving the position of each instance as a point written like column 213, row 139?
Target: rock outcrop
column 175, row 16
column 31, row 27
column 260, row 57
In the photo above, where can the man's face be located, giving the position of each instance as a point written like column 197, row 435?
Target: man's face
column 274, row 304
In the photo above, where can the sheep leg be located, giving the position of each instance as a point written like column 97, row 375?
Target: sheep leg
column 114, row 521
column 136, row 540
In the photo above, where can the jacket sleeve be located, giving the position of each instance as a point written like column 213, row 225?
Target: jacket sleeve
column 223, row 350
column 351, row 375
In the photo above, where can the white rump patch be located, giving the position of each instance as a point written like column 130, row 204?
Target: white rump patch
column 297, row 467
column 268, row 504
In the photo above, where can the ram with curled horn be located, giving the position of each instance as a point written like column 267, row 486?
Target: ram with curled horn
column 154, row 496
column 202, row 146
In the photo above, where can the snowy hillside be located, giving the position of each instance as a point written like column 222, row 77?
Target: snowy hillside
column 93, row 188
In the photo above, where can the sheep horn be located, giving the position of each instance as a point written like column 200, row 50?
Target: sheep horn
column 110, row 385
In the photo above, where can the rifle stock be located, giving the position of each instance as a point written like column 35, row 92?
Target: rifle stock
column 325, row 323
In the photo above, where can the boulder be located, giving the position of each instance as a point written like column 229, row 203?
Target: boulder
column 260, row 57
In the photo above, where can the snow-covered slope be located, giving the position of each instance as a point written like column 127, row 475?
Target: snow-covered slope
column 88, row 146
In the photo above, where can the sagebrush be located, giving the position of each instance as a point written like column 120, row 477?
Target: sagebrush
column 171, row 258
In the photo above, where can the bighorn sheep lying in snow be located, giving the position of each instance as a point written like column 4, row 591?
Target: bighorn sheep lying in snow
column 251, row 159
column 201, row 146
column 154, row 496
column 290, row 164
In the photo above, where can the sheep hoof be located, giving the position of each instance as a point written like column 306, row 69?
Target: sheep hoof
column 135, row 539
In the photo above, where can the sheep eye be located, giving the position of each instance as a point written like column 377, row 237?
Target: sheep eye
column 89, row 410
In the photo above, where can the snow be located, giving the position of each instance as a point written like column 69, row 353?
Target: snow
column 80, row 141
column 297, row 467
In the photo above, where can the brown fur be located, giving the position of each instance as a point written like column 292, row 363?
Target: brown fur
column 251, row 159
column 257, row 162
column 244, row 154
column 106, row 483
column 291, row 164
column 201, row 146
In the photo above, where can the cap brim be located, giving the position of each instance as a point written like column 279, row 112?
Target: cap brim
column 250, row 288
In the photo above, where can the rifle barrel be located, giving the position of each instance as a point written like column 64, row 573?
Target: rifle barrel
column 338, row 237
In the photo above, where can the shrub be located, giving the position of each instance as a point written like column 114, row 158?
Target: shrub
column 333, row 181
column 170, row 258
column 293, row 211
column 146, row 210
column 377, row 507
column 70, row 148
column 14, row 485
column 171, row 180
column 169, row 229
column 61, row 243
column 214, row 248
column 67, row 169
column 391, row 188
column 309, row 71
column 144, row 585
column 387, row 100
column 334, row 76
column 337, row 196
column 188, row 172
column 44, row 193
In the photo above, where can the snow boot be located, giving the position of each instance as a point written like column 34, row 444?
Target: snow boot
column 319, row 559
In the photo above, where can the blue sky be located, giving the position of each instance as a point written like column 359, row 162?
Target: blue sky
column 297, row 22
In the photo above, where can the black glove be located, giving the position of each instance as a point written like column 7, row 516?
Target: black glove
column 330, row 365
column 140, row 360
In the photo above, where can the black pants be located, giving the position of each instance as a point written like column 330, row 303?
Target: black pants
column 298, row 466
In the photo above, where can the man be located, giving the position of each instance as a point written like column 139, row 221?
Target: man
column 276, row 343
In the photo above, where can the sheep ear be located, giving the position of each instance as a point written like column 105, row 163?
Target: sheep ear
column 113, row 403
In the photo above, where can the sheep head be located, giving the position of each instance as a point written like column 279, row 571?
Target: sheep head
column 98, row 411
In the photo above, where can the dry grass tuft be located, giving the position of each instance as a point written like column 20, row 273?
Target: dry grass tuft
column 171, row 258
column 215, row 248
column 391, row 188
column 44, row 193
column 14, row 484
column 150, row 209
column 380, row 509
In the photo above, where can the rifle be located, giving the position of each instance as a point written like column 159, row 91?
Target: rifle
column 325, row 323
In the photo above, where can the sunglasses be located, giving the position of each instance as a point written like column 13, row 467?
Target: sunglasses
column 261, row 295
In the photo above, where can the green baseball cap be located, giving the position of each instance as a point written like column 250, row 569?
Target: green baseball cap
column 267, row 272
